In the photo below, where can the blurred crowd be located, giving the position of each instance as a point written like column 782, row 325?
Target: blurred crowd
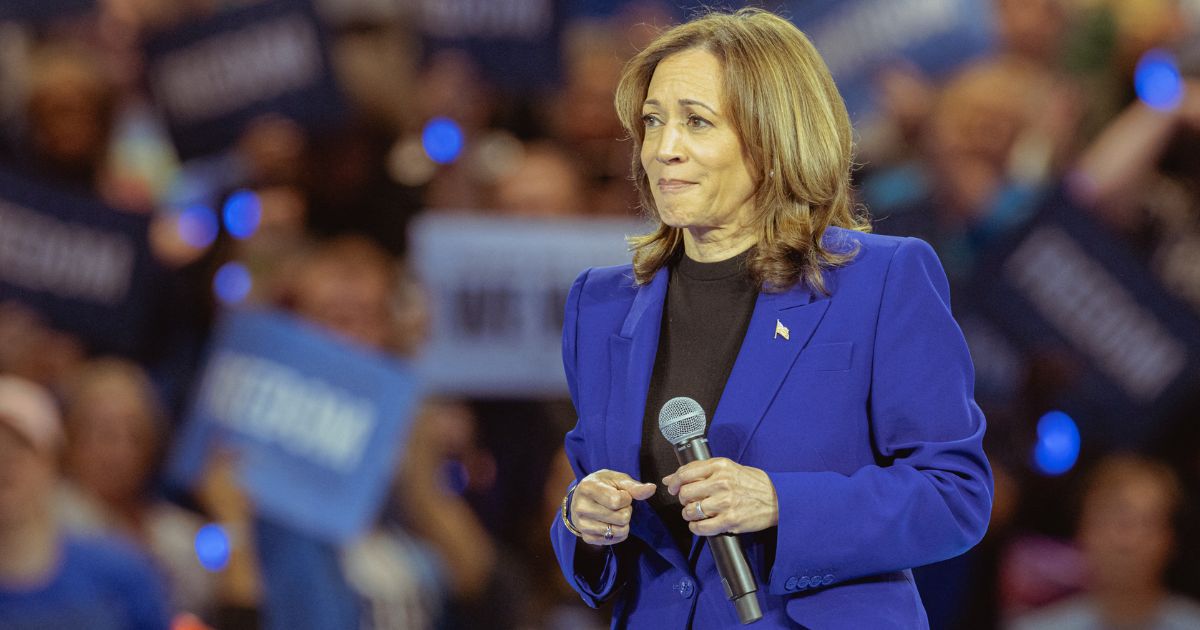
column 960, row 160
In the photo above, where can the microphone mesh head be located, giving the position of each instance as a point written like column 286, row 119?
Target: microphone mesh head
column 681, row 419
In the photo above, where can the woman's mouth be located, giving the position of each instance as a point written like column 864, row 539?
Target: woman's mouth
column 674, row 185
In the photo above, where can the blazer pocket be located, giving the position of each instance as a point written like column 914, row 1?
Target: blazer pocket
column 827, row 357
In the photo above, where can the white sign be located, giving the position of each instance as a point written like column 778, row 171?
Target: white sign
column 498, row 288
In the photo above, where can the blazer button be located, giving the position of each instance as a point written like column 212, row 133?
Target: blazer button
column 686, row 588
column 827, row 580
column 790, row 584
column 803, row 583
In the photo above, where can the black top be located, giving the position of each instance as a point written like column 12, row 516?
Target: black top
column 707, row 310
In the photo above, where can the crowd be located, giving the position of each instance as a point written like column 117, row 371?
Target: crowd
column 92, row 535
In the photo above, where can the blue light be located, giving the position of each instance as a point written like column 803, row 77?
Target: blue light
column 1158, row 81
column 197, row 226
column 212, row 547
column 232, row 282
column 1057, row 446
column 456, row 476
column 242, row 213
column 442, row 139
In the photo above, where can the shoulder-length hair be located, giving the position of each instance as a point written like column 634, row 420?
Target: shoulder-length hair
column 795, row 135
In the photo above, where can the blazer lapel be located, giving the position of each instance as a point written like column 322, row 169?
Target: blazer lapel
column 779, row 329
column 632, row 353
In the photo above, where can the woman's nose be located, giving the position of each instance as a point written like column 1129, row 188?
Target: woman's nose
column 670, row 146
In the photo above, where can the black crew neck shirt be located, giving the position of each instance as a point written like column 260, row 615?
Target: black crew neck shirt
column 707, row 310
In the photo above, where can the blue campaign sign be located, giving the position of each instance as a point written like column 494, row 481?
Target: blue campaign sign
column 515, row 42
column 1063, row 285
column 39, row 10
column 317, row 424
column 83, row 266
column 857, row 38
column 211, row 78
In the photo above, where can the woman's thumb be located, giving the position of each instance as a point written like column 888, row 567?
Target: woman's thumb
column 639, row 491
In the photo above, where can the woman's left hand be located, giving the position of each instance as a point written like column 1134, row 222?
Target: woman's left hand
column 719, row 495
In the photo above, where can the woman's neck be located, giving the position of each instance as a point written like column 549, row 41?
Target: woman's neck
column 716, row 244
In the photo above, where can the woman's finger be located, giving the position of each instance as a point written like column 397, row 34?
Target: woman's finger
column 603, row 494
column 697, row 512
column 588, row 509
column 718, row 524
column 695, row 471
column 711, row 487
column 597, row 533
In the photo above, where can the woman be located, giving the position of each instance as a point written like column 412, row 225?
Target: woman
column 847, row 447
column 114, row 429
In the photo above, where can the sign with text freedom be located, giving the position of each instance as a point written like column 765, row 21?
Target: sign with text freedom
column 515, row 43
column 213, row 77
column 498, row 288
column 1064, row 284
column 83, row 266
column 315, row 422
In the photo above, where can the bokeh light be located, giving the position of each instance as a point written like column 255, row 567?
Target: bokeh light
column 232, row 283
column 442, row 139
column 242, row 213
column 1158, row 81
column 212, row 547
column 1057, row 447
column 456, row 476
column 197, row 225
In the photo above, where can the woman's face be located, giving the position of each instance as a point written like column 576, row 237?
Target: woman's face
column 111, row 450
column 693, row 158
column 351, row 300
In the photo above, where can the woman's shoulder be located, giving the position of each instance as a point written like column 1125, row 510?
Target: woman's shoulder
column 841, row 239
column 611, row 281
column 874, row 248
column 880, row 259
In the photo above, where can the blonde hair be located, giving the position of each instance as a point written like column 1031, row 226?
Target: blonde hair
column 795, row 134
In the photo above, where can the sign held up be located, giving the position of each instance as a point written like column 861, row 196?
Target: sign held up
column 1063, row 284
column 498, row 289
column 212, row 77
column 80, row 264
column 317, row 422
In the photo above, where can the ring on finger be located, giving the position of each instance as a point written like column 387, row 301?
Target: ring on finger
column 608, row 535
column 700, row 511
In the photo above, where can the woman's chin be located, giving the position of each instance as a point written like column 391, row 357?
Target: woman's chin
column 673, row 218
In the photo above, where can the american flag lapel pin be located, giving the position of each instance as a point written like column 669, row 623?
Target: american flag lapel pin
column 781, row 330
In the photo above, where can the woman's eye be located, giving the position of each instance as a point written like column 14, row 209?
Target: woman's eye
column 650, row 120
column 696, row 121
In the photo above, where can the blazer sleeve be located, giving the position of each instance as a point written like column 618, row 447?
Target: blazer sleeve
column 929, row 496
column 592, row 585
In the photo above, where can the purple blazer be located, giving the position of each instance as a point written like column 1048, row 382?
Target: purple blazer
column 863, row 418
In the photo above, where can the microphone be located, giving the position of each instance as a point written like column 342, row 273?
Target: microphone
column 682, row 422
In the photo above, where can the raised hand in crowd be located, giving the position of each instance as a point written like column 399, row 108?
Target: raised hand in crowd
column 441, row 439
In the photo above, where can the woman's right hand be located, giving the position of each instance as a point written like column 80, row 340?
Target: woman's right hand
column 603, row 503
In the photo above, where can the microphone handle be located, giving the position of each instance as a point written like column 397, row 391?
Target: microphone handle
column 736, row 577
